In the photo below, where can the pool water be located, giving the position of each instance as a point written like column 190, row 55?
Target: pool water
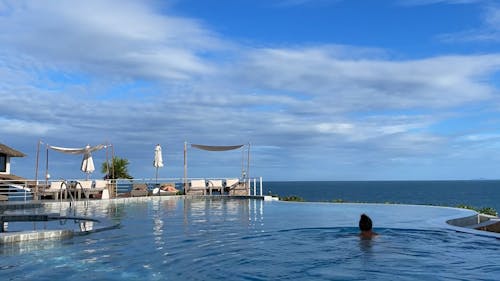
column 235, row 239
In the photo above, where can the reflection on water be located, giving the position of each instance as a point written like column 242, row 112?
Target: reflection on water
column 157, row 224
column 257, row 212
column 86, row 226
column 29, row 247
column 101, row 208
column 200, row 210
column 366, row 245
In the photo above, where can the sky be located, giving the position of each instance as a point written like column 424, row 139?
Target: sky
column 320, row 89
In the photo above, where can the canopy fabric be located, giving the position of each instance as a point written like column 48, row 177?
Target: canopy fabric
column 216, row 147
column 87, row 161
column 76, row 151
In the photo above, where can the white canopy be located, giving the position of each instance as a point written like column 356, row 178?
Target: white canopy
column 87, row 161
column 216, row 147
column 76, row 151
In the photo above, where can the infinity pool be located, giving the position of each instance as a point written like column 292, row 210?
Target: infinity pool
column 173, row 238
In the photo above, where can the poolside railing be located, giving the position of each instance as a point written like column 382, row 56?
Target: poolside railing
column 25, row 190
column 257, row 190
column 254, row 186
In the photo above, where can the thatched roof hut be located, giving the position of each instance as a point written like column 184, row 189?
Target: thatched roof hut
column 5, row 154
column 10, row 151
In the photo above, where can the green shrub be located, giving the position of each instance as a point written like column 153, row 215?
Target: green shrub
column 466, row 207
column 293, row 198
column 486, row 210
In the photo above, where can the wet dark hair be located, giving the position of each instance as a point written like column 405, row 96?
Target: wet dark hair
column 365, row 223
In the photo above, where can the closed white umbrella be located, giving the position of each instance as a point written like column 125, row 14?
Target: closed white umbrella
column 87, row 162
column 158, row 160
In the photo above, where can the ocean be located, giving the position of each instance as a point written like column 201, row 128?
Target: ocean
column 475, row 193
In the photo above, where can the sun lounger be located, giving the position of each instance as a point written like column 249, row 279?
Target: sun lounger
column 235, row 187
column 83, row 187
column 139, row 189
column 231, row 184
column 107, row 187
column 198, row 187
column 166, row 189
column 56, row 189
column 214, row 185
column 99, row 187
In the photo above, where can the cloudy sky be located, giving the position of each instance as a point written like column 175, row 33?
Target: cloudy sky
column 321, row 89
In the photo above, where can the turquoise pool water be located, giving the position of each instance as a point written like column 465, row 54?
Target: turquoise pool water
column 234, row 239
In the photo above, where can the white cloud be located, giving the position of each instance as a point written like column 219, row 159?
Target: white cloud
column 27, row 128
column 335, row 128
column 122, row 72
column 294, row 99
column 107, row 37
column 489, row 31
column 480, row 137
column 338, row 84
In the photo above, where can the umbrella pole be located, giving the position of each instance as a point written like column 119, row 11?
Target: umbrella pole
column 156, row 185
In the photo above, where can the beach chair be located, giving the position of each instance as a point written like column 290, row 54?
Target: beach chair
column 100, row 185
column 83, row 187
column 139, row 189
column 198, row 187
column 231, row 184
column 236, row 188
column 215, row 185
column 56, row 189
column 106, row 188
column 91, row 189
column 166, row 189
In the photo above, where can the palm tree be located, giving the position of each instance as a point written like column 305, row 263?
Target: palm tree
column 117, row 170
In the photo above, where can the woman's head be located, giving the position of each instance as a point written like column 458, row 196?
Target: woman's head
column 365, row 223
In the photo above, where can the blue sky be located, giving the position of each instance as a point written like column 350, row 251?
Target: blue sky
column 322, row 89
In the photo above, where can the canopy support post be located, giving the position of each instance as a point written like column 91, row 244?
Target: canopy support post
column 36, row 168
column 185, row 167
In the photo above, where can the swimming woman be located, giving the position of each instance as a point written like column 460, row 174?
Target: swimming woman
column 365, row 226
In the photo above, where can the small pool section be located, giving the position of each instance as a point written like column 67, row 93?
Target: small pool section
column 177, row 238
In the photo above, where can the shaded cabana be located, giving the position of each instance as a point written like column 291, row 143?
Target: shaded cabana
column 219, row 148
column 87, row 165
